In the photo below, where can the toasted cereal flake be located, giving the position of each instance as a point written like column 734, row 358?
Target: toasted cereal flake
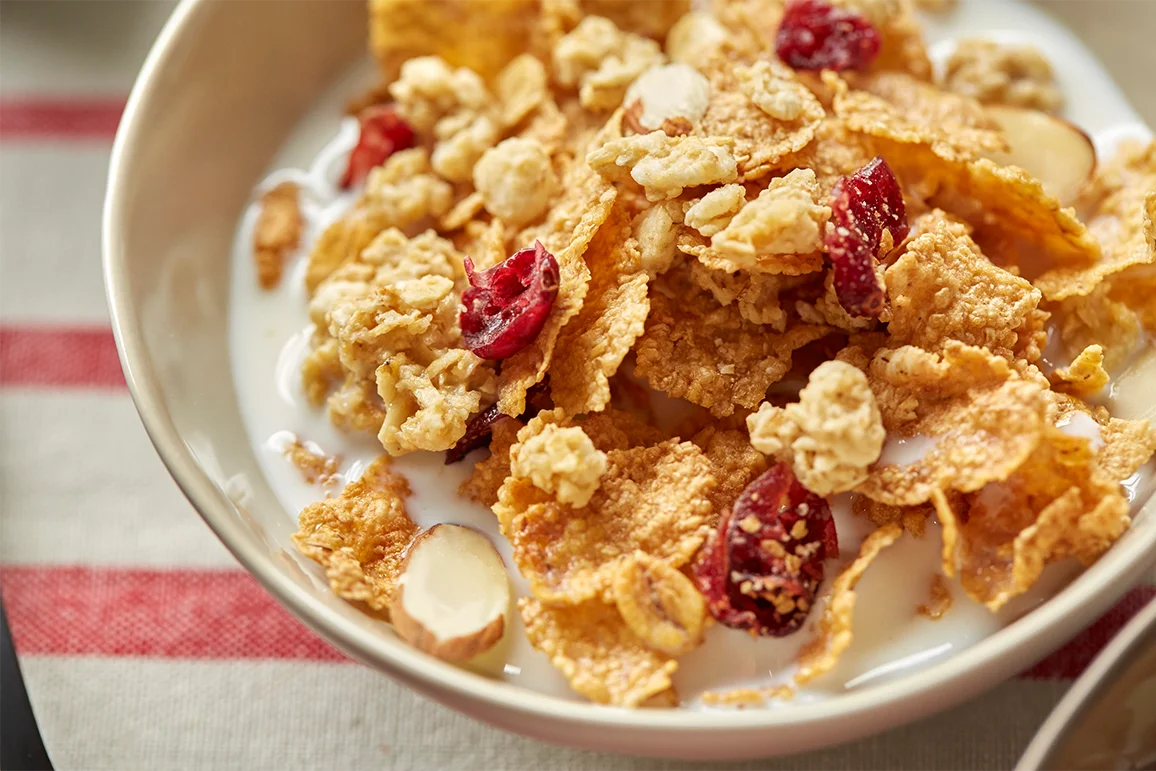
column 830, row 436
column 787, row 218
column 1002, row 202
column 402, row 193
column 277, row 232
column 651, row 499
column 735, row 464
column 1125, row 225
column 320, row 370
column 936, row 6
column 1098, row 319
column 593, row 344
column 709, row 355
column 826, row 309
column 360, row 537
column 665, row 165
column 939, row 599
column 571, row 224
column 912, row 519
column 711, row 213
column 400, row 30
column 752, row 105
column 836, row 152
column 944, row 288
column 560, row 461
column 516, row 180
column 1128, row 444
column 757, row 295
column 657, row 235
column 597, row 652
column 315, row 466
column 984, row 420
column 660, row 604
column 462, row 138
column 1055, row 506
column 462, row 213
column 602, row 61
column 1085, row 375
column 488, row 475
column 833, row 636
column 1002, row 73
column 521, row 87
column 920, row 115
column 690, row 242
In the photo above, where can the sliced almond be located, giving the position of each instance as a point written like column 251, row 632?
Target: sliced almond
column 454, row 594
column 1057, row 153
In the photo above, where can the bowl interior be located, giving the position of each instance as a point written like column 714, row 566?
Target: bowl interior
column 219, row 94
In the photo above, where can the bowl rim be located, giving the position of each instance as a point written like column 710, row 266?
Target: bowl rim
column 995, row 653
column 1101, row 675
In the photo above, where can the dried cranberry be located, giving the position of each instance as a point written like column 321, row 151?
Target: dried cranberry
column 862, row 207
column 763, row 566
column 383, row 133
column 479, row 428
column 815, row 35
column 506, row 305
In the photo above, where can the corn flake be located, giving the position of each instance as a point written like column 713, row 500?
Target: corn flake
column 489, row 473
column 360, row 537
column 943, row 288
column 597, row 652
column 571, row 225
column 696, row 350
column 277, row 232
column 821, row 654
column 594, row 343
column 1085, row 375
column 651, row 499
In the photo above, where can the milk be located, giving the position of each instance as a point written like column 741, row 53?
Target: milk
column 269, row 335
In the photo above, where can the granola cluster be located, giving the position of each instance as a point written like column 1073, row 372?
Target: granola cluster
column 607, row 201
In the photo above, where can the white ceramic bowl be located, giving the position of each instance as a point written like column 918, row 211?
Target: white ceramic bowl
column 219, row 93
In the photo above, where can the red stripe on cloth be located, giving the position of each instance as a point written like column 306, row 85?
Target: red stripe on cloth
column 224, row 614
column 1073, row 658
column 60, row 118
column 59, row 356
column 180, row 614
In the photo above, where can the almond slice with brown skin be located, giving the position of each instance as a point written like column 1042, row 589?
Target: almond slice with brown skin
column 1057, row 153
column 454, row 594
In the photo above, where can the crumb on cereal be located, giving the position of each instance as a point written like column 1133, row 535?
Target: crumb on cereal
column 1016, row 74
column 277, row 232
column 939, row 599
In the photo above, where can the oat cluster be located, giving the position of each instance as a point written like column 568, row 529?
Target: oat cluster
column 687, row 183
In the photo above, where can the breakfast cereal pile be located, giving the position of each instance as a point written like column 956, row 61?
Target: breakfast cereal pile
column 771, row 219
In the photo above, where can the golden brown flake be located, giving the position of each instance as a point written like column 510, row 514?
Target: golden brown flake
column 943, row 288
column 743, row 697
column 597, row 652
column 360, row 536
column 821, row 654
column 315, row 466
column 651, row 499
column 709, row 355
column 1085, row 375
column 665, row 165
column 277, row 232
column 939, row 599
column 594, row 343
column 571, row 225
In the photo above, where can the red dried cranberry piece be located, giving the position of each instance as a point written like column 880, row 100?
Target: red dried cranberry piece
column 815, row 35
column 763, row 566
column 383, row 133
column 862, row 207
column 506, row 305
column 480, row 428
